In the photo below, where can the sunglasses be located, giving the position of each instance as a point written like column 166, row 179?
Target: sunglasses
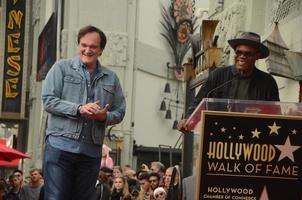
column 159, row 194
column 245, row 53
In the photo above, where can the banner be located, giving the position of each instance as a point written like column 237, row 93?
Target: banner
column 249, row 157
column 47, row 48
column 13, row 56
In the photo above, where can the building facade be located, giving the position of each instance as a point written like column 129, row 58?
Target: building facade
column 135, row 51
column 261, row 17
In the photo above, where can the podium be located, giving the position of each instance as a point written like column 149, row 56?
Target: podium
column 247, row 149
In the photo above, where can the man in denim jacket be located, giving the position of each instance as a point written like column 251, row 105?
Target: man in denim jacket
column 81, row 98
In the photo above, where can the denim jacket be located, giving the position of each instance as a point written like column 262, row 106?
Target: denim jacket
column 64, row 90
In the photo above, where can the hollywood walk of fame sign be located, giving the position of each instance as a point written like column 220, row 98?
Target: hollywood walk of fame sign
column 249, row 157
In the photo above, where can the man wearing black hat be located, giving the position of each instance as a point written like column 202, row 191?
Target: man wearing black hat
column 241, row 80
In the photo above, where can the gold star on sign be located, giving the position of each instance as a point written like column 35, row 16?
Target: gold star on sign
column 287, row 150
column 294, row 132
column 274, row 128
column 255, row 133
column 241, row 137
column 223, row 130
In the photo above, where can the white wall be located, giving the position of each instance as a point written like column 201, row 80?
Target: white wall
column 151, row 128
column 149, row 16
column 107, row 15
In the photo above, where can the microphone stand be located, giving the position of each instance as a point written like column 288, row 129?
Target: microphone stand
column 216, row 88
column 229, row 106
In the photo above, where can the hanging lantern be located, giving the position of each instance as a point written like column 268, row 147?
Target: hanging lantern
column 167, row 88
column 163, row 105
column 168, row 114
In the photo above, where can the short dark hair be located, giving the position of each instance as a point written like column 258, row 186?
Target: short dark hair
column 106, row 169
column 18, row 171
column 89, row 29
column 154, row 174
column 144, row 176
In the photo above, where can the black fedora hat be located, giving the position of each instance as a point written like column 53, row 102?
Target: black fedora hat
column 250, row 39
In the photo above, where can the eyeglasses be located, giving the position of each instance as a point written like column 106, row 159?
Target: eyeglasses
column 153, row 180
column 245, row 53
column 159, row 194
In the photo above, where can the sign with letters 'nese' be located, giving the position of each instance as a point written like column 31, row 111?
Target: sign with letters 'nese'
column 249, row 157
column 13, row 57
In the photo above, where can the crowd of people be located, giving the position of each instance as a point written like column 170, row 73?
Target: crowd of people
column 148, row 183
column 19, row 188
column 114, row 183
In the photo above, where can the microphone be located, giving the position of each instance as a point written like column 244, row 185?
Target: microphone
column 221, row 85
column 218, row 87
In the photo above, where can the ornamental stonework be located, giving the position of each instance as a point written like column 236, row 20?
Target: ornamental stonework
column 36, row 11
column 115, row 53
column 231, row 22
column 283, row 9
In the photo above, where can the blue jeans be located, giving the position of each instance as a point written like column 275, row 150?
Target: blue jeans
column 68, row 176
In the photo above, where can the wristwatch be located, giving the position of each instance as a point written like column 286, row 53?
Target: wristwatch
column 78, row 111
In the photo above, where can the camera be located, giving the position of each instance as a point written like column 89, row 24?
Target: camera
column 134, row 187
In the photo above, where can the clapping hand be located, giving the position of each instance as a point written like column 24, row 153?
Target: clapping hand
column 94, row 111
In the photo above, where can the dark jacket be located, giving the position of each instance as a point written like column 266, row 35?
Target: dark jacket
column 223, row 83
column 119, row 196
column 11, row 196
column 102, row 192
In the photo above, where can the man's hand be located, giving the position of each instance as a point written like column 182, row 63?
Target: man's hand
column 101, row 115
column 181, row 126
column 144, row 167
column 185, row 126
column 94, row 111
column 90, row 108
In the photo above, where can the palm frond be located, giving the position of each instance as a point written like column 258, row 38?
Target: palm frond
column 179, row 50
